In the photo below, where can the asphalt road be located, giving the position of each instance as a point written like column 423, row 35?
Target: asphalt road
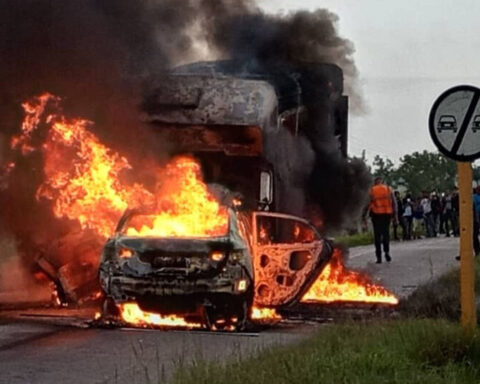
column 56, row 349
column 413, row 262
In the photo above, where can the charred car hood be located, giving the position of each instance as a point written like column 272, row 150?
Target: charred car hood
column 187, row 245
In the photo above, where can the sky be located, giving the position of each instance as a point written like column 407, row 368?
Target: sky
column 407, row 52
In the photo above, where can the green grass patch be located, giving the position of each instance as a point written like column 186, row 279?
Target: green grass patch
column 411, row 351
column 366, row 238
column 439, row 298
column 355, row 240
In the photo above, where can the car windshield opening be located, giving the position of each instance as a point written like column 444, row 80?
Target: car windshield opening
column 164, row 225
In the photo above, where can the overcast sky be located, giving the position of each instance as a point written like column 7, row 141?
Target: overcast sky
column 408, row 52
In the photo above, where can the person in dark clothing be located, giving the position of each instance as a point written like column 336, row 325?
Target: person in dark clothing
column 418, row 220
column 450, row 213
column 441, row 229
column 427, row 214
column 476, row 228
column 436, row 212
column 382, row 209
column 407, row 217
column 400, row 221
column 456, row 212
column 476, row 220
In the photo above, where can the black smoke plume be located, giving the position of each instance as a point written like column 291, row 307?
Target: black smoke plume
column 96, row 55
column 334, row 187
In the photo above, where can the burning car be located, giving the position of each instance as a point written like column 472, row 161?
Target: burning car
column 213, row 280
column 206, row 278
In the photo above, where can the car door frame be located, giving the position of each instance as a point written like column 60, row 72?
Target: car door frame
column 320, row 248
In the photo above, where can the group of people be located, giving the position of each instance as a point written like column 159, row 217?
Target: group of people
column 431, row 214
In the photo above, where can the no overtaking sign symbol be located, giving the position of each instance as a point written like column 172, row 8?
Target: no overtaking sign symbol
column 455, row 123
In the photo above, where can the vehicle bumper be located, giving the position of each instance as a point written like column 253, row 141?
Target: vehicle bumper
column 124, row 288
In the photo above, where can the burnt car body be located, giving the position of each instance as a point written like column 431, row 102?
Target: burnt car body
column 209, row 278
column 217, row 279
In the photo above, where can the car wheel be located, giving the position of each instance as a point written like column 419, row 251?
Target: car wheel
column 229, row 318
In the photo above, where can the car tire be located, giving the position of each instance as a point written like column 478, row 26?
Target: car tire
column 241, row 311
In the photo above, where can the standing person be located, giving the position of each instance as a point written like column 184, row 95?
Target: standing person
column 407, row 217
column 456, row 212
column 449, row 214
column 436, row 212
column 382, row 209
column 427, row 214
column 399, row 220
column 442, row 213
column 418, row 217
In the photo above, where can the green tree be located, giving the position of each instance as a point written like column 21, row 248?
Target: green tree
column 385, row 169
column 426, row 171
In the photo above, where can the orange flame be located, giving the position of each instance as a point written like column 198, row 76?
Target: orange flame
column 83, row 179
column 336, row 284
column 185, row 206
column 33, row 112
column 132, row 314
column 265, row 315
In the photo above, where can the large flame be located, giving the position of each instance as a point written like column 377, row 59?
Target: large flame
column 83, row 179
column 184, row 205
column 338, row 284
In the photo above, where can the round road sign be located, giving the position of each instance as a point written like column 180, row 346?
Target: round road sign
column 455, row 123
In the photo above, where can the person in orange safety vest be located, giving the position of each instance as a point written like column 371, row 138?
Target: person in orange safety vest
column 382, row 210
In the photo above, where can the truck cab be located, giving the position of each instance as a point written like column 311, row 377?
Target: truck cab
column 245, row 124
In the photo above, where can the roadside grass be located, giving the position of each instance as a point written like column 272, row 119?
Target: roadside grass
column 402, row 351
column 439, row 298
column 355, row 240
column 366, row 238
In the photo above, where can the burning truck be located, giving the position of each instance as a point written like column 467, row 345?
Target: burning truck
column 251, row 126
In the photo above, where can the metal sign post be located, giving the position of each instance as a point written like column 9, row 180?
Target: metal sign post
column 454, row 122
column 467, row 267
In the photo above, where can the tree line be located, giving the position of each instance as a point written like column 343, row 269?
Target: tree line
column 419, row 171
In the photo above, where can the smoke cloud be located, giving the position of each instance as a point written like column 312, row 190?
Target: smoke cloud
column 98, row 54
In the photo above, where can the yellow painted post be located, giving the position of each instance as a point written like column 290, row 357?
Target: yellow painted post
column 467, row 287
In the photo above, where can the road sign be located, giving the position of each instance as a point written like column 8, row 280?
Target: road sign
column 455, row 123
